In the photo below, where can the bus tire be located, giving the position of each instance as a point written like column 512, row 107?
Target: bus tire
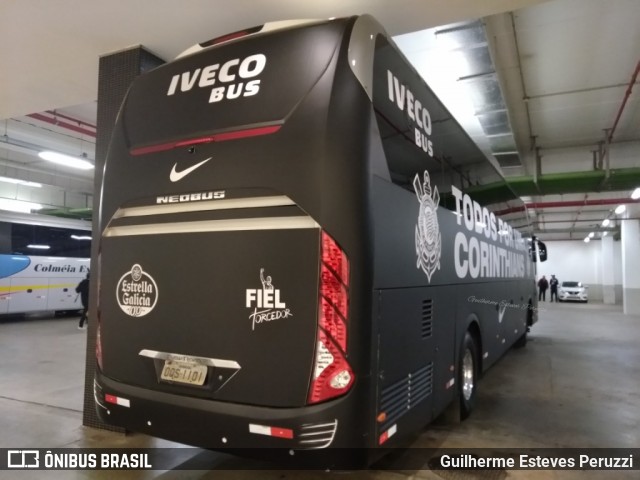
column 522, row 341
column 468, row 375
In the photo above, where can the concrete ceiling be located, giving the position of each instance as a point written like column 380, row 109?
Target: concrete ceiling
column 55, row 45
column 563, row 66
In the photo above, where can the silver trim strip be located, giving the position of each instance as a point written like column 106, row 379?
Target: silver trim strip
column 362, row 48
column 226, row 204
column 318, row 425
column 210, row 362
column 232, row 225
column 322, row 432
column 95, row 395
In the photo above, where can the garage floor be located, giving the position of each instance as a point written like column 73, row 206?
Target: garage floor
column 574, row 385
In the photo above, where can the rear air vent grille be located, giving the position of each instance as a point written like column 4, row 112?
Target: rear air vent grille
column 426, row 326
column 400, row 397
column 317, row 435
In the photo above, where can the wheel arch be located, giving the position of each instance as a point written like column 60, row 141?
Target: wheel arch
column 473, row 327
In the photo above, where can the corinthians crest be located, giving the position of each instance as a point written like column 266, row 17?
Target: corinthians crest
column 428, row 237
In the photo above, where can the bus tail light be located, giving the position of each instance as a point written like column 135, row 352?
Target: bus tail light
column 332, row 375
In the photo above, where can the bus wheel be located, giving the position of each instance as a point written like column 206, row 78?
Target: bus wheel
column 522, row 341
column 468, row 375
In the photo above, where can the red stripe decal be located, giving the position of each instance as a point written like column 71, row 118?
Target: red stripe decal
column 218, row 137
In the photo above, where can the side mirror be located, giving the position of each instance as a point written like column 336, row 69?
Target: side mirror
column 541, row 248
column 542, row 251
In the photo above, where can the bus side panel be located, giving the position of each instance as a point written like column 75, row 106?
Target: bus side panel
column 62, row 293
column 473, row 306
column 515, row 317
column 500, row 313
column 416, row 357
column 28, row 294
column 4, row 295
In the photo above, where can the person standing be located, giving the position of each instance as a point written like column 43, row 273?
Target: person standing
column 83, row 290
column 543, row 284
column 553, row 284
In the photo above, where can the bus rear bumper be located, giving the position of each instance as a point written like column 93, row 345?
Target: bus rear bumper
column 243, row 429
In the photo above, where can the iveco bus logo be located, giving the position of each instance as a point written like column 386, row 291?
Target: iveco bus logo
column 235, row 78
column 418, row 113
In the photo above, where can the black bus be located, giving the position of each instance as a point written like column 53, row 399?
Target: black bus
column 301, row 248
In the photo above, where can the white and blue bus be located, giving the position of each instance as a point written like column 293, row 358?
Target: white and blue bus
column 301, row 248
column 42, row 260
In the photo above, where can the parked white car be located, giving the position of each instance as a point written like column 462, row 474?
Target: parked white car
column 573, row 291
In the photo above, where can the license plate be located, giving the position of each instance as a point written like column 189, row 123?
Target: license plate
column 183, row 372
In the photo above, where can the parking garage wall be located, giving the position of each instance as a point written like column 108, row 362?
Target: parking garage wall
column 578, row 261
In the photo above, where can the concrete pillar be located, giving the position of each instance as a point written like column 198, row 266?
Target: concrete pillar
column 630, row 233
column 116, row 71
column 608, row 269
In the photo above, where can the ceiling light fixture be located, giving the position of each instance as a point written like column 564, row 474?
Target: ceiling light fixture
column 591, row 235
column 636, row 194
column 606, row 222
column 17, row 181
column 38, row 247
column 620, row 209
column 587, row 239
column 66, row 160
column 604, row 234
column 81, row 237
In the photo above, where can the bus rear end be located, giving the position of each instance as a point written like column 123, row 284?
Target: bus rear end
column 233, row 264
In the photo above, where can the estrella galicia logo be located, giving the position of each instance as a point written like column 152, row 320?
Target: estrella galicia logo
column 137, row 292
column 266, row 302
column 428, row 237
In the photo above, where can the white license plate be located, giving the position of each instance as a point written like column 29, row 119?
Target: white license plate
column 184, row 372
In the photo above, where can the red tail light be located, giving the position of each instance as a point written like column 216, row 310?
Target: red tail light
column 332, row 375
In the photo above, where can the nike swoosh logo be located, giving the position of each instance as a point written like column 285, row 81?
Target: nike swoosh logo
column 175, row 176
